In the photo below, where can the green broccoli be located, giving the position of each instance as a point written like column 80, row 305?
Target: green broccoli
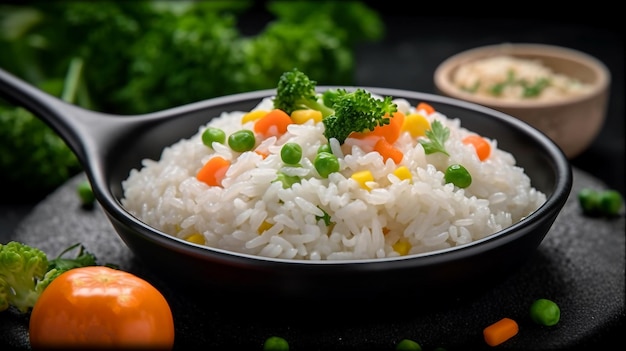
column 356, row 111
column 25, row 272
column 296, row 91
column 343, row 112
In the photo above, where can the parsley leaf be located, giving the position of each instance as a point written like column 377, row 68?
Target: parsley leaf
column 437, row 136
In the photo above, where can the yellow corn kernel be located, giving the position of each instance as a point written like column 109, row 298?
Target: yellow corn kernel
column 253, row 116
column 416, row 124
column 264, row 226
column 301, row 116
column 196, row 238
column 402, row 247
column 362, row 177
column 403, row 173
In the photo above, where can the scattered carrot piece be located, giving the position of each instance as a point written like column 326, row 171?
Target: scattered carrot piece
column 388, row 151
column 213, row 172
column 274, row 123
column 425, row 107
column 390, row 131
column 482, row 146
column 500, row 331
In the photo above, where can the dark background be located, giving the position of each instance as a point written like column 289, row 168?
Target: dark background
column 418, row 39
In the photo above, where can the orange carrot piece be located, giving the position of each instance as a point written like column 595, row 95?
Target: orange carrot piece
column 387, row 150
column 500, row 331
column 426, row 107
column 214, row 171
column 390, row 131
column 274, row 123
column 482, row 146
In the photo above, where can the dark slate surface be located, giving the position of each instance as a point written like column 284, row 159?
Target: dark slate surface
column 579, row 265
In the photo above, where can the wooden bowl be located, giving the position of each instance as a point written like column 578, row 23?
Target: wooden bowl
column 571, row 121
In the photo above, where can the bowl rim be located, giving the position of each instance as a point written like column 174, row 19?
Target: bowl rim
column 445, row 68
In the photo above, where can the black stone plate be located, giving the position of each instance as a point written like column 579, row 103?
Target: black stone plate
column 580, row 265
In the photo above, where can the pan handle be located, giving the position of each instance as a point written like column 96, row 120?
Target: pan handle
column 85, row 131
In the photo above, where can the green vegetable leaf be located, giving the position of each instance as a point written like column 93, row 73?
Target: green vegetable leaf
column 437, row 136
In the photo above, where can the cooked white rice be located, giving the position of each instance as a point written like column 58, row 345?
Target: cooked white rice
column 422, row 213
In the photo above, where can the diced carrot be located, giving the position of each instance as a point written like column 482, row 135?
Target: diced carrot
column 425, row 107
column 500, row 331
column 387, row 150
column 482, row 146
column 390, row 131
column 214, row 171
column 274, row 123
column 262, row 153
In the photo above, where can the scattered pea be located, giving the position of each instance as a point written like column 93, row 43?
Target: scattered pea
column 291, row 153
column 325, row 148
column 287, row 180
column 458, row 175
column 213, row 134
column 545, row 312
column 408, row 345
column 275, row 343
column 85, row 192
column 600, row 202
column 326, row 163
column 241, row 140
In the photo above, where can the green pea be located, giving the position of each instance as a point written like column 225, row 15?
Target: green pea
column 325, row 148
column 242, row 140
column 287, row 180
column 291, row 153
column 85, row 192
column 588, row 200
column 594, row 202
column 458, row 175
column 610, row 202
column 408, row 345
column 275, row 343
column 212, row 134
column 545, row 312
column 326, row 163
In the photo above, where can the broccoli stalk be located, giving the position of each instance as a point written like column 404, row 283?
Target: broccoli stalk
column 343, row 112
column 295, row 91
column 25, row 272
column 356, row 111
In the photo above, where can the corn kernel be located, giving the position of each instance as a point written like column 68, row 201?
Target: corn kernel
column 402, row 247
column 196, row 238
column 416, row 124
column 403, row 173
column 362, row 177
column 264, row 226
column 301, row 116
column 253, row 116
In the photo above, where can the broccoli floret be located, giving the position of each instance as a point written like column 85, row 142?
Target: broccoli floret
column 296, row 91
column 25, row 272
column 356, row 111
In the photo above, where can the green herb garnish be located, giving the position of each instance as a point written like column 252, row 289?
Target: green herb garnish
column 437, row 136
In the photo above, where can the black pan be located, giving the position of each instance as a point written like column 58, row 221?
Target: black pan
column 109, row 146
